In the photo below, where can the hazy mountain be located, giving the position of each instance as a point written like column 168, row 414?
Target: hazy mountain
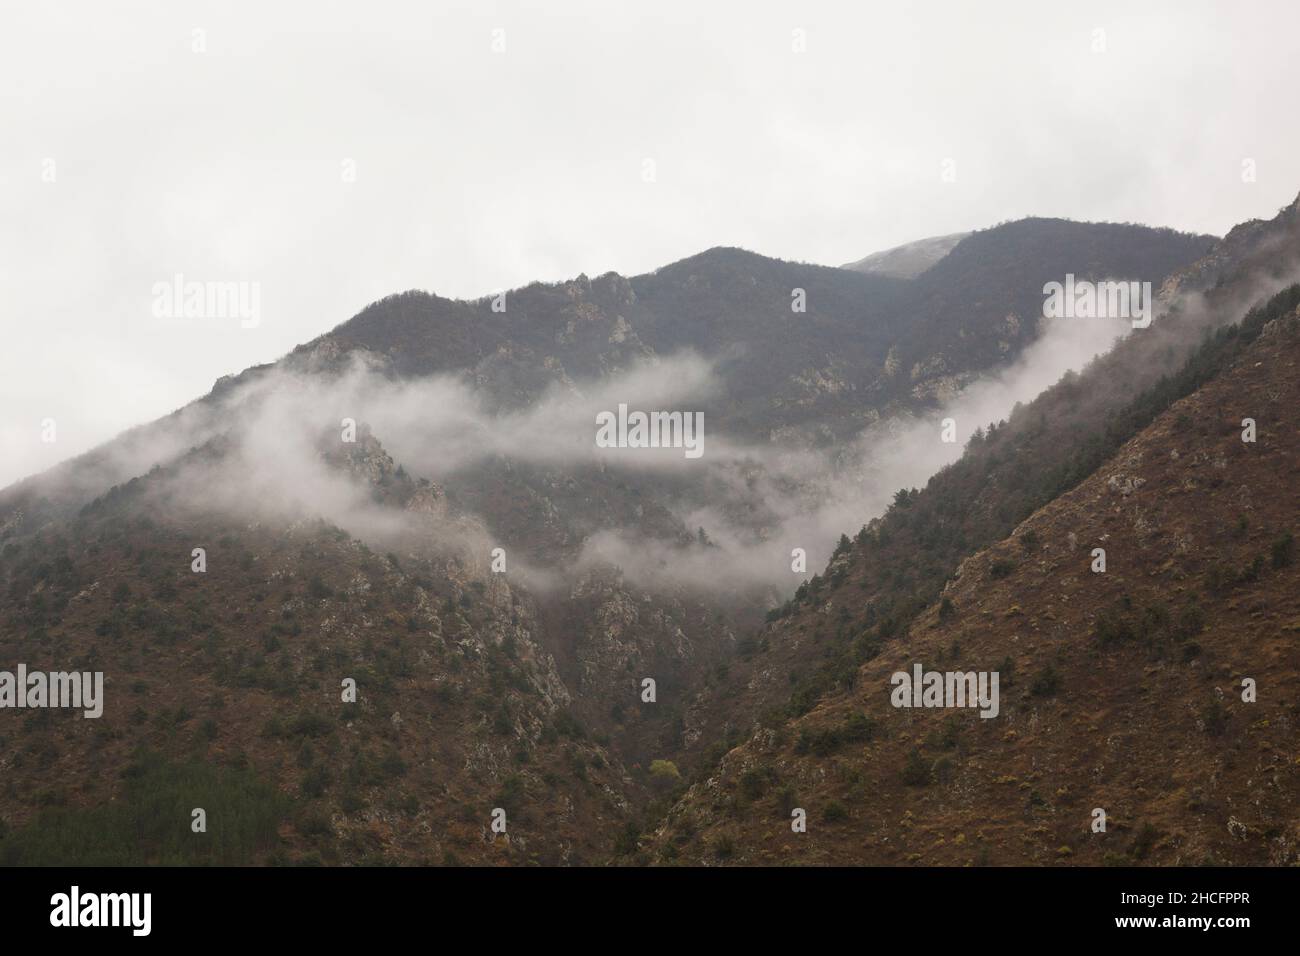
column 908, row 260
column 373, row 560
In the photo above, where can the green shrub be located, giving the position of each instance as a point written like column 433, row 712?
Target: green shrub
column 724, row 847
column 946, row 610
column 1215, row 718
column 665, row 770
column 1113, row 626
column 1144, row 841
column 1190, row 622
column 308, row 724
column 315, row 782
column 1001, row 568
column 753, row 783
column 1047, row 683
column 916, row 772
column 1283, row 551
column 628, row 839
column 566, row 725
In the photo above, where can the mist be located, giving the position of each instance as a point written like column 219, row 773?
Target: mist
column 812, row 498
column 269, row 446
column 262, row 451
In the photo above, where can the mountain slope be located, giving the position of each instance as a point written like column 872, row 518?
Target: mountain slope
column 458, row 709
column 1120, row 690
column 902, row 559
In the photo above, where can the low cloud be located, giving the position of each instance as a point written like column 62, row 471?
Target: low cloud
column 254, row 450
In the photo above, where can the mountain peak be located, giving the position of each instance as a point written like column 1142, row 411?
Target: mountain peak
column 910, row 259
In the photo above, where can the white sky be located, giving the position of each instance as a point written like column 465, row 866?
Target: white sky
column 478, row 170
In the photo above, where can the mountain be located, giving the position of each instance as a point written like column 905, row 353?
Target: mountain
column 826, row 367
column 874, row 598
column 908, row 260
column 1044, row 448
column 1120, row 690
column 374, row 560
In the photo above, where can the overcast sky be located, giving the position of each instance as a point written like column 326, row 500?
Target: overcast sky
column 333, row 153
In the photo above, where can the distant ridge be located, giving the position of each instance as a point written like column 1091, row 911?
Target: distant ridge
column 910, row 259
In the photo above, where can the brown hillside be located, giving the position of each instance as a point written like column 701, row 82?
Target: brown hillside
column 1120, row 690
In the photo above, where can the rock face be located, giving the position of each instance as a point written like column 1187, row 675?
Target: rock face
column 1254, row 248
column 364, row 458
